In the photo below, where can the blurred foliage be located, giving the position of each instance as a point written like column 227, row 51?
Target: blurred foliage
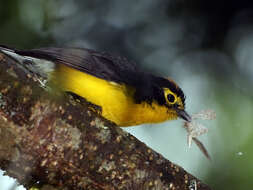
column 24, row 25
column 206, row 46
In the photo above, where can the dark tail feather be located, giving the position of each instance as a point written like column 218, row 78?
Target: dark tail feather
column 13, row 53
column 7, row 48
column 31, row 53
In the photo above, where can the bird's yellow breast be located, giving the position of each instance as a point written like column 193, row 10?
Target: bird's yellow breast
column 116, row 100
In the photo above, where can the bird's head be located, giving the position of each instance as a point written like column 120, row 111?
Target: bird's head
column 168, row 94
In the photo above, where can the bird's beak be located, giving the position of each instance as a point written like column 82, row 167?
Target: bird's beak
column 184, row 115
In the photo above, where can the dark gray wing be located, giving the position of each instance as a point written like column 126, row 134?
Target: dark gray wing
column 99, row 64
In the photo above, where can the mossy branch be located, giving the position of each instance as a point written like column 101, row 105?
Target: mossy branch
column 63, row 144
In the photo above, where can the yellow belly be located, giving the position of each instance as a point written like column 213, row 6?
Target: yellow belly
column 116, row 100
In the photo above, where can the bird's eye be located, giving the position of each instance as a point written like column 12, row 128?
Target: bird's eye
column 171, row 98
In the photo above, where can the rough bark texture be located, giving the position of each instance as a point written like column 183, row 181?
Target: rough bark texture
column 63, row 144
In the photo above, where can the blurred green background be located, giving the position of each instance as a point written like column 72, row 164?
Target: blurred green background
column 205, row 46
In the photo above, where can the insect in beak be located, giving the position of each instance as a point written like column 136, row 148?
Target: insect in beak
column 184, row 115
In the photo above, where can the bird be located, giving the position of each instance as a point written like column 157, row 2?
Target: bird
column 126, row 94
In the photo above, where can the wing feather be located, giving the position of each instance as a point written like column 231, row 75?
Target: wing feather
column 102, row 65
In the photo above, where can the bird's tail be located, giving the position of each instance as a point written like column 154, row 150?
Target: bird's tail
column 5, row 48
column 38, row 66
column 11, row 52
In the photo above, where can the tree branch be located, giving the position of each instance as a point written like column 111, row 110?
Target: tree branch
column 60, row 142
